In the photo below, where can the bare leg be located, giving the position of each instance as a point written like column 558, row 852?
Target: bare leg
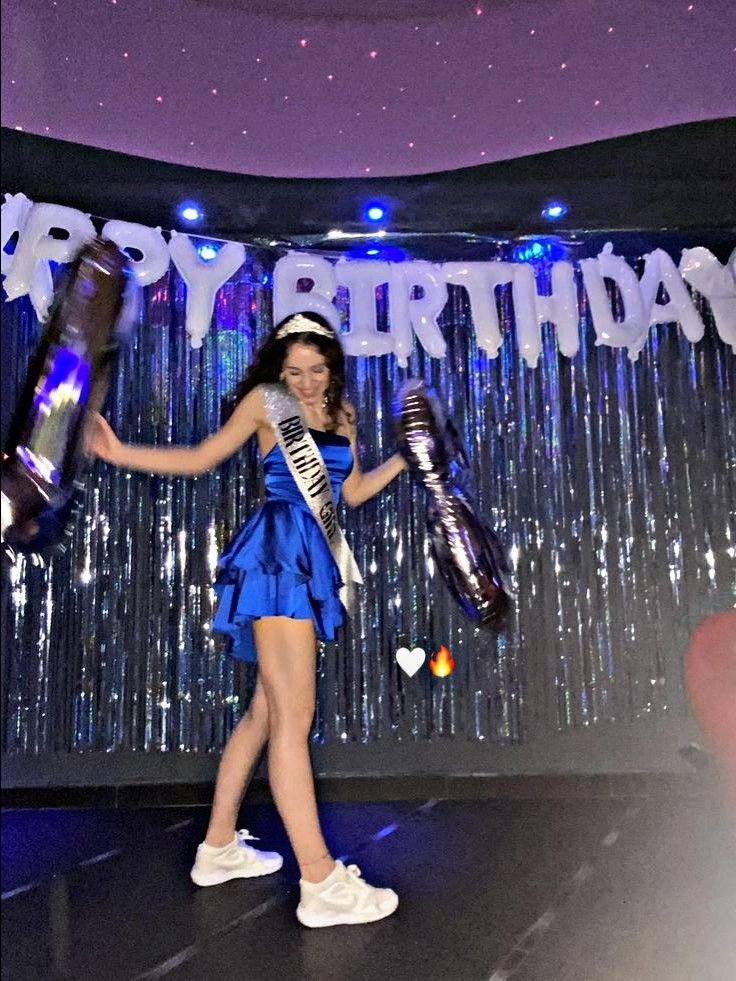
column 287, row 663
column 238, row 762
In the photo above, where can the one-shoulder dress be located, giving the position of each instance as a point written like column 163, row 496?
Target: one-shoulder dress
column 278, row 563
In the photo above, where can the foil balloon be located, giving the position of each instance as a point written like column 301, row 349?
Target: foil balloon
column 469, row 555
column 68, row 374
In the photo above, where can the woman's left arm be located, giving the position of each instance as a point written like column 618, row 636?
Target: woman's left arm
column 360, row 487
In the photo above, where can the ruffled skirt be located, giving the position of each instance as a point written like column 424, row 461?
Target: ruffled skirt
column 278, row 564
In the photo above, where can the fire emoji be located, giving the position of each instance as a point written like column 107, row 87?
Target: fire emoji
column 441, row 663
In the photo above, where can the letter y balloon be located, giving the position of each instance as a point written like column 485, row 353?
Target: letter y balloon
column 68, row 375
column 469, row 555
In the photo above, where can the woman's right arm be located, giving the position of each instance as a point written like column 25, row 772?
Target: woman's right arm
column 166, row 460
column 180, row 460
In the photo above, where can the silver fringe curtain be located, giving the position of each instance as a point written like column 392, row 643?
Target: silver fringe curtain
column 612, row 483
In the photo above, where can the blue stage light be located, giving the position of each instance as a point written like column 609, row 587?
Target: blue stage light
column 190, row 212
column 533, row 250
column 375, row 211
column 207, row 251
column 374, row 251
column 554, row 210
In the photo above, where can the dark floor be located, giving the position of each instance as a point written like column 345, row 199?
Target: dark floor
column 538, row 890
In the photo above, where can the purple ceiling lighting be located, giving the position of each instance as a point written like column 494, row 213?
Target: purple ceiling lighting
column 399, row 88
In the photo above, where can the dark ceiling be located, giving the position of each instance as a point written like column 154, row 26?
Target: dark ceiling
column 680, row 177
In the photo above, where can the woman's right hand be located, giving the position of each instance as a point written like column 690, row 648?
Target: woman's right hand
column 100, row 440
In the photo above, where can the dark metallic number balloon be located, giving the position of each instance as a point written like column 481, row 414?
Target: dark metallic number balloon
column 68, row 374
column 469, row 555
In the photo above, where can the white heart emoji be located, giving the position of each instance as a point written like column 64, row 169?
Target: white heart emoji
column 410, row 661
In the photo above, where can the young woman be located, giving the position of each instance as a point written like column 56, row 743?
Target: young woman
column 279, row 588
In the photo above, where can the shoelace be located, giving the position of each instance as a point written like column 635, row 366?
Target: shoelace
column 245, row 835
column 355, row 874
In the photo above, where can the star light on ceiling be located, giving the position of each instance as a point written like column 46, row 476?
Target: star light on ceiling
column 372, row 124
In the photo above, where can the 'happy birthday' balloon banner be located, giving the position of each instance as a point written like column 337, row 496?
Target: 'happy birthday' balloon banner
column 27, row 271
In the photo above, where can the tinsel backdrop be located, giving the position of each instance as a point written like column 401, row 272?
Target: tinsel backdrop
column 611, row 482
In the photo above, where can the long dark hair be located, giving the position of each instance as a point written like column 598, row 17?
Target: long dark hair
column 269, row 361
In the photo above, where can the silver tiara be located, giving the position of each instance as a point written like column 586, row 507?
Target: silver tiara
column 300, row 324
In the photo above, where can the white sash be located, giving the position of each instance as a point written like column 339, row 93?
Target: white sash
column 310, row 475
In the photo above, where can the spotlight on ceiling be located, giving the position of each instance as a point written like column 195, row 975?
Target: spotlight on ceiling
column 375, row 211
column 190, row 212
column 554, row 210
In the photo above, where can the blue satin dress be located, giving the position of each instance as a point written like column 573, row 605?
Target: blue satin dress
column 279, row 563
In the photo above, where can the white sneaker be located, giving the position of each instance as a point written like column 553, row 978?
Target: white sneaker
column 234, row 861
column 343, row 897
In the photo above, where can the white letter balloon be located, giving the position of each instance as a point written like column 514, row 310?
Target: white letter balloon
column 30, row 271
column 203, row 278
column 480, row 279
column 13, row 216
column 422, row 313
column 155, row 258
column 561, row 308
column 362, row 278
column 288, row 300
column 631, row 332
column 660, row 269
column 532, row 309
column 528, row 334
column 717, row 283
